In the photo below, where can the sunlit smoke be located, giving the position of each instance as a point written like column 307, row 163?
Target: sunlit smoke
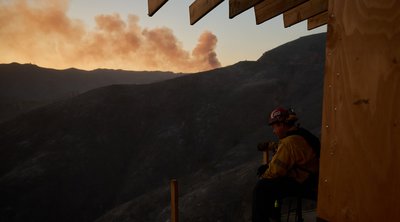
column 40, row 32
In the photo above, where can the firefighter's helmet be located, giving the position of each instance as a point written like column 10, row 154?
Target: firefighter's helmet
column 282, row 115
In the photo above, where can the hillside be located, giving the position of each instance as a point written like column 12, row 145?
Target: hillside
column 108, row 154
column 24, row 87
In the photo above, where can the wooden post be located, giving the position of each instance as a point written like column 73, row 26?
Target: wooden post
column 266, row 157
column 174, row 201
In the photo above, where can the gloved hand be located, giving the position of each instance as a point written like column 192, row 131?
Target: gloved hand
column 261, row 170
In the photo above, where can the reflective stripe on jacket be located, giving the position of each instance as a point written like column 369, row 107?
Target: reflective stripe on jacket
column 294, row 158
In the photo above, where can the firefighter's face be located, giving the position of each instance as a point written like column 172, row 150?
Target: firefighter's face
column 279, row 129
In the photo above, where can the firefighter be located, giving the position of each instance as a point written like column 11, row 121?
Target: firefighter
column 293, row 167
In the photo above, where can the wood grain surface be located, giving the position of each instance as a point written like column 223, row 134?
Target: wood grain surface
column 268, row 9
column 154, row 6
column 317, row 20
column 304, row 11
column 199, row 8
column 238, row 6
column 360, row 156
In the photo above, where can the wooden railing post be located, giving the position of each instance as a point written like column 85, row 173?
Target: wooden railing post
column 174, row 201
column 265, row 156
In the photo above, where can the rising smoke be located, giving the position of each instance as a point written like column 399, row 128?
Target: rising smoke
column 40, row 32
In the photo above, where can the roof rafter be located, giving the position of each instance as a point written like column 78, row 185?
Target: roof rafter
column 268, row 9
column 238, row 6
column 155, row 5
column 199, row 8
column 304, row 11
column 294, row 11
column 318, row 20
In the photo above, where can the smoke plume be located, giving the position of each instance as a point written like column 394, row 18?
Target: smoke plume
column 40, row 32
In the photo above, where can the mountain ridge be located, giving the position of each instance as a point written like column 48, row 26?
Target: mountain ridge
column 108, row 154
column 24, row 87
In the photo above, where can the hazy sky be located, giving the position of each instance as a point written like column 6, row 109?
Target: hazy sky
column 119, row 34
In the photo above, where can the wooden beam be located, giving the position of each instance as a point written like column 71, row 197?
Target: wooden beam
column 238, row 6
column 199, row 8
column 174, row 201
column 268, row 9
column 317, row 21
column 304, row 11
column 155, row 5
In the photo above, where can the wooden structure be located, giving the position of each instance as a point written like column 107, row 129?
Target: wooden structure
column 360, row 154
column 313, row 10
column 265, row 157
column 174, row 200
column 304, row 11
column 155, row 5
column 360, row 159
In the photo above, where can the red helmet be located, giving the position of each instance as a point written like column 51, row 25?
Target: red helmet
column 282, row 115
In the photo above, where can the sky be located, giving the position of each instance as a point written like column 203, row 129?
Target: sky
column 118, row 34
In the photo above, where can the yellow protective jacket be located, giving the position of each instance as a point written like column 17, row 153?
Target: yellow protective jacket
column 294, row 158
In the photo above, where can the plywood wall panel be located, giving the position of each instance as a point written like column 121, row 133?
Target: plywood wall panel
column 360, row 156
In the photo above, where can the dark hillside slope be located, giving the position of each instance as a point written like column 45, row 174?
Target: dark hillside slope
column 108, row 154
column 25, row 87
column 293, row 53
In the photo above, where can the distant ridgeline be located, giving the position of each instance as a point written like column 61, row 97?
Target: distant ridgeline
column 108, row 154
column 25, row 87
